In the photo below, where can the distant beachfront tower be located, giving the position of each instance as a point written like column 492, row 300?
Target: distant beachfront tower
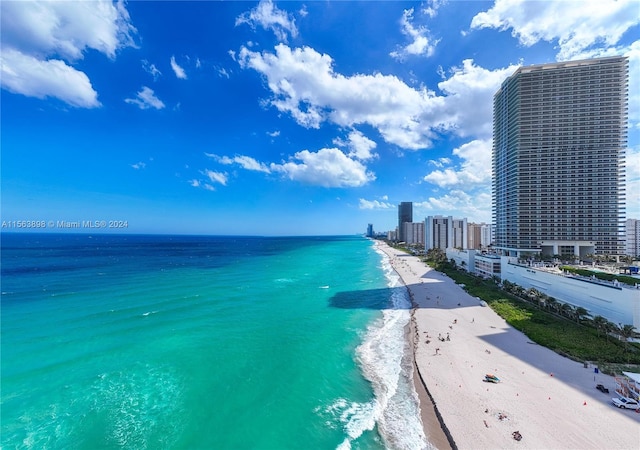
column 479, row 236
column 370, row 230
column 445, row 232
column 405, row 214
column 632, row 234
column 559, row 137
column 414, row 233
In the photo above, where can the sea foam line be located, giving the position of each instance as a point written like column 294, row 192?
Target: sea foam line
column 386, row 361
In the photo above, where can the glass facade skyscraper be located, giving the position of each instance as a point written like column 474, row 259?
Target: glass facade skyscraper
column 559, row 137
column 405, row 214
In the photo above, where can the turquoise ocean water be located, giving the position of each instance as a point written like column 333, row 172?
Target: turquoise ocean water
column 203, row 342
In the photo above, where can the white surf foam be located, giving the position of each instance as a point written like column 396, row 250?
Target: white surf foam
column 385, row 360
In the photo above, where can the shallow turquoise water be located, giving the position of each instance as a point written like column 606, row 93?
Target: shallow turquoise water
column 202, row 342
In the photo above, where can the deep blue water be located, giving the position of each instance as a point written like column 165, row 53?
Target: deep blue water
column 112, row 341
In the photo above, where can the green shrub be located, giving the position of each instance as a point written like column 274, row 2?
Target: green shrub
column 564, row 336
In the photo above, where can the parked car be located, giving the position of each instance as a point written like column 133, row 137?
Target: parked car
column 625, row 403
column 602, row 389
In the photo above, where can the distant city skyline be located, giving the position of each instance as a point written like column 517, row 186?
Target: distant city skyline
column 275, row 118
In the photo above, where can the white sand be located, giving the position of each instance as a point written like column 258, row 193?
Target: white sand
column 549, row 399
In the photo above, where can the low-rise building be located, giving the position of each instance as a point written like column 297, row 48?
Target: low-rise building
column 488, row 265
column 463, row 258
column 617, row 302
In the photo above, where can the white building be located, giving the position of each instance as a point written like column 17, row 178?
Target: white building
column 463, row 258
column 616, row 302
column 488, row 265
column 632, row 237
column 414, row 233
column 479, row 235
column 445, row 232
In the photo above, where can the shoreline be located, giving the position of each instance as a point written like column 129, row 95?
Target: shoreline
column 549, row 399
column 433, row 423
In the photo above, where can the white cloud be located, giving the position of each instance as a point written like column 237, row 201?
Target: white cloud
column 469, row 98
column 359, row 145
column 274, row 133
column 195, row 183
column 27, row 75
column 304, row 84
column 246, row 162
column 440, row 162
column 590, row 29
column 216, row 177
column 179, row 71
column 151, row 69
column 40, row 41
column 421, row 44
column 374, row 204
column 457, row 203
column 466, row 184
column 328, row 167
column 139, row 165
column 475, row 168
column 146, row 99
column 271, row 18
column 66, row 29
column 432, row 7
column 574, row 26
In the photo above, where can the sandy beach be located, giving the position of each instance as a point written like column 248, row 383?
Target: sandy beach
column 549, row 399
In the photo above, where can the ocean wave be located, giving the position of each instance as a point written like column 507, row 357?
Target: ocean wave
column 386, row 362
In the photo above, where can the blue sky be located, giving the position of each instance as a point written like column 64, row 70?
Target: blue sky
column 275, row 118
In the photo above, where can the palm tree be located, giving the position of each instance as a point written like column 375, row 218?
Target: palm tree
column 611, row 327
column 580, row 313
column 567, row 310
column 507, row 285
column 518, row 291
column 626, row 332
column 600, row 323
column 542, row 300
column 552, row 303
column 533, row 294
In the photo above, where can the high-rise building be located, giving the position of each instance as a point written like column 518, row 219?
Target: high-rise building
column 370, row 230
column 445, row 232
column 632, row 235
column 479, row 236
column 559, row 136
column 414, row 232
column 405, row 214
